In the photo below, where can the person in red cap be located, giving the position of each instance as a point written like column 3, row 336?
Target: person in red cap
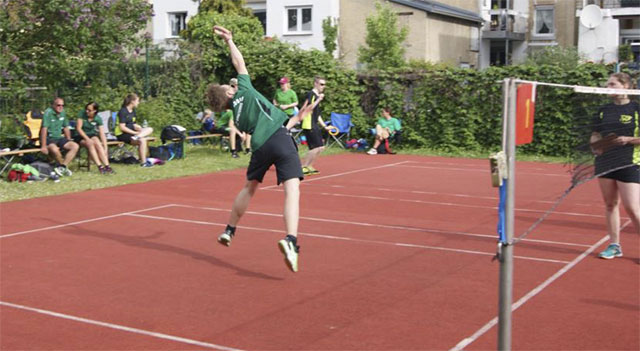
column 286, row 99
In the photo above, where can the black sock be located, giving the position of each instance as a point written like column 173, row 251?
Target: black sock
column 292, row 238
column 230, row 229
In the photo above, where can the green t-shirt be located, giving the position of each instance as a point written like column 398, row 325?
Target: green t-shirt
column 54, row 123
column 393, row 124
column 286, row 98
column 225, row 117
column 254, row 114
column 90, row 128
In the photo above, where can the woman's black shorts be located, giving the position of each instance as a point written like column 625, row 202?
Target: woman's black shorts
column 629, row 174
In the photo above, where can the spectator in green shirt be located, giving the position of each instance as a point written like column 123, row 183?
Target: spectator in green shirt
column 386, row 127
column 89, row 134
column 271, row 144
column 285, row 98
column 56, row 135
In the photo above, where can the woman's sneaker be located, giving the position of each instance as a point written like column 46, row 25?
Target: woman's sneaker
column 102, row 169
column 613, row 250
column 290, row 251
column 225, row 238
column 372, row 151
column 63, row 171
column 109, row 170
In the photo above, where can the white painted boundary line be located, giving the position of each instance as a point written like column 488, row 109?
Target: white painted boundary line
column 452, row 204
column 119, row 327
column 531, row 294
column 386, row 226
column 82, row 221
column 346, row 238
column 315, row 178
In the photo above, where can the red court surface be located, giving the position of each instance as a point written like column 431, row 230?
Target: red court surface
column 396, row 255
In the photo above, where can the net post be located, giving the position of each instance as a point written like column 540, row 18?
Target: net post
column 506, row 259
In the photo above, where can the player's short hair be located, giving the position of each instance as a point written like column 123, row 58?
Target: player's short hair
column 217, row 97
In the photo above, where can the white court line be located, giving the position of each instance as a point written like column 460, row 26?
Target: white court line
column 439, row 248
column 454, row 204
column 81, row 222
column 486, row 171
column 314, row 178
column 531, row 294
column 119, row 327
column 386, row 226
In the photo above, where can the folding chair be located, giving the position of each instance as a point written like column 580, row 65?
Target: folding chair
column 342, row 121
column 107, row 125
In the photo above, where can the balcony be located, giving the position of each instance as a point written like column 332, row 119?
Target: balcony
column 608, row 4
column 505, row 25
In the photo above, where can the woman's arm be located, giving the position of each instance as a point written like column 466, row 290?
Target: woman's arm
column 79, row 129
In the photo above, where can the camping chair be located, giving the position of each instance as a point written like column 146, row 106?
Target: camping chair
column 107, row 124
column 31, row 125
column 342, row 121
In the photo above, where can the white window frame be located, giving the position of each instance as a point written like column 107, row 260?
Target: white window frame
column 298, row 30
column 170, row 16
column 544, row 36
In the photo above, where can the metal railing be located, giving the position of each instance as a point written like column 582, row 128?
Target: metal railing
column 506, row 21
column 608, row 4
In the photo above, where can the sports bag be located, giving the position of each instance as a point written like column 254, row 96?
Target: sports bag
column 172, row 132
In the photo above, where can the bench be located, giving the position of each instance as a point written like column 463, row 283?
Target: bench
column 17, row 153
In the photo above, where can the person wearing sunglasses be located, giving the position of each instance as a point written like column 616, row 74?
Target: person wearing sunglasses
column 311, row 126
column 55, row 136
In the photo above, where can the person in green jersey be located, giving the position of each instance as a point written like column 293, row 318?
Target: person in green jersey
column 386, row 127
column 286, row 99
column 55, row 135
column 618, row 166
column 89, row 133
column 271, row 144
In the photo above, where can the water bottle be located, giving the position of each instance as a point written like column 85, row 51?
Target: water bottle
column 145, row 124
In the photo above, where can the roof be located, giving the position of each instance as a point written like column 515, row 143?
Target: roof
column 441, row 9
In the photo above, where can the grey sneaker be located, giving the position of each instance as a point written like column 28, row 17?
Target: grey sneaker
column 290, row 251
column 225, row 238
column 63, row 171
column 613, row 250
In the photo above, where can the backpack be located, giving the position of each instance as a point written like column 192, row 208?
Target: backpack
column 166, row 152
column 172, row 132
column 42, row 167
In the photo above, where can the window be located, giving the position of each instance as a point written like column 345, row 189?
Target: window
column 544, row 22
column 299, row 19
column 177, row 23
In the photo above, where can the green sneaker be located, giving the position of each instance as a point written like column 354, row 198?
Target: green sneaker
column 306, row 171
column 613, row 250
column 313, row 170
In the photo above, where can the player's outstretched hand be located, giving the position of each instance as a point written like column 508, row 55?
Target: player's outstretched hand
column 222, row 32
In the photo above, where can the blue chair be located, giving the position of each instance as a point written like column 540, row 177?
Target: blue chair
column 342, row 121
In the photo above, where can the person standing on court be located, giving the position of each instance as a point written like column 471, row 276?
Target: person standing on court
column 286, row 99
column 311, row 126
column 271, row 144
column 618, row 167
column 55, row 135
column 129, row 131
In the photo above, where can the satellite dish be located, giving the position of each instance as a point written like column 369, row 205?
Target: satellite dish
column 591, row 16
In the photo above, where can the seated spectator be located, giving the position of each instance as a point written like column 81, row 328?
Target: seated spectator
column 56, row 135
column 89, row 134
column 226, row 126
column 386, row 128
column 208, row 124
column 128, row 131
column 285, row 98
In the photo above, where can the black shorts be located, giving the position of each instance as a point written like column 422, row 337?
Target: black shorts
column 221, row 130
column 78, row 138
column 125, row 138
column 314, row 138
column 280, row 150
column 60, row 142
column 629, row 174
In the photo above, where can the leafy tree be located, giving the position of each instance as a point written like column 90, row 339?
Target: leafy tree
column 236, row 7
column 330, row 32
column 566, row 58
column 47, row 42
column 383, row 40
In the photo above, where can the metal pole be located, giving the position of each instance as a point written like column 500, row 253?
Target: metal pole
column 146, row 70
column 506, row 257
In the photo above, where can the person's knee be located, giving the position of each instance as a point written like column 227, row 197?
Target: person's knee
column 612, row 203
column 72, row 146
column 251, row 187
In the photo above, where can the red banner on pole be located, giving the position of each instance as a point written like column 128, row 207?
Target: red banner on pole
column 525, row 111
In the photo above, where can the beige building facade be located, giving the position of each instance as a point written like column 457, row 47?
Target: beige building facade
column 437, row 31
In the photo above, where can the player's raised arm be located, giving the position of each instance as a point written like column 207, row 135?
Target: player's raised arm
column 236, row 57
